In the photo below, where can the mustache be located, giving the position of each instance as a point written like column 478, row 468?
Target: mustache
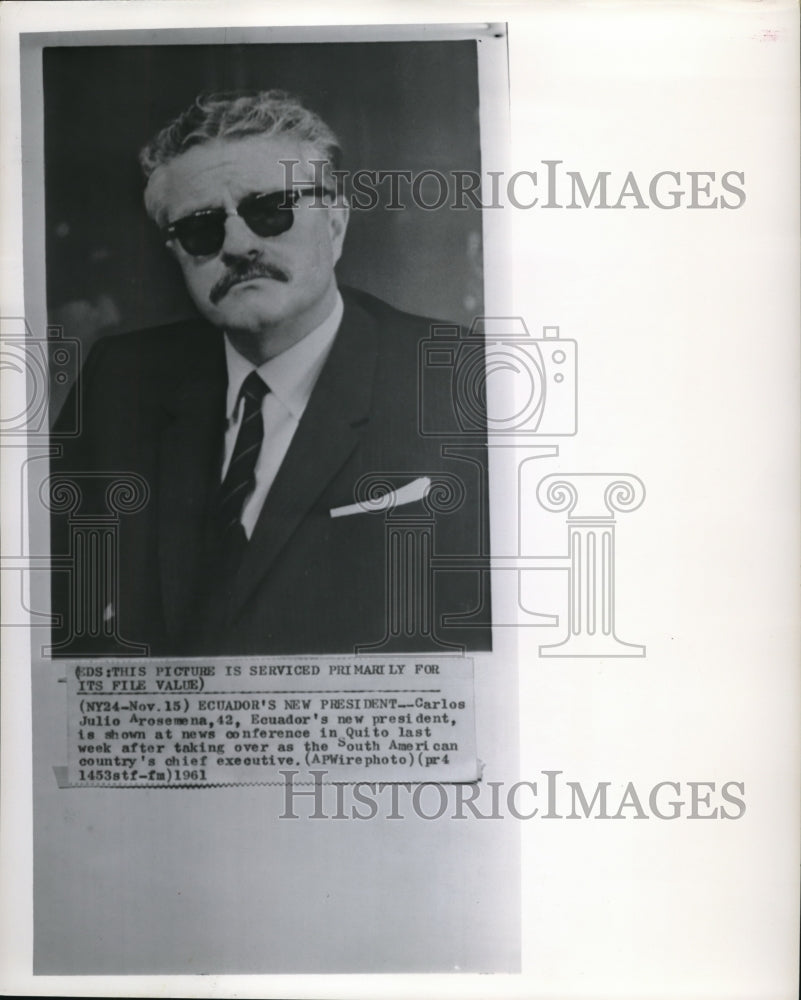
column 244, row 271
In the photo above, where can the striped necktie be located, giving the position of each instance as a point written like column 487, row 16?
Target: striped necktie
column 240, row 479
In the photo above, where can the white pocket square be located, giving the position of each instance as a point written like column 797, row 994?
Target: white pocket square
column 410, row 493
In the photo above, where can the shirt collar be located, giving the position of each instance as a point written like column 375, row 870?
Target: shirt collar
column 290, row 375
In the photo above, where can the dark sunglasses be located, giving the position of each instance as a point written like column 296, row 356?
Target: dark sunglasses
column 202, row 234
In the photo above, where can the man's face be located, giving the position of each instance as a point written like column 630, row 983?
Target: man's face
column 293, row 289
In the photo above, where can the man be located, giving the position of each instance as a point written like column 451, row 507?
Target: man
column 255, row 433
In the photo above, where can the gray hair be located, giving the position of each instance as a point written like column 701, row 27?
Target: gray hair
column 238, row 115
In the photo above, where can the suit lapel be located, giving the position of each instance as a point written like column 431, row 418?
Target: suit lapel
column 189, row 464
column 327, row 434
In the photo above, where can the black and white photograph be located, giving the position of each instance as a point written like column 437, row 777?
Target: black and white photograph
column 269, row 261
column 265, row 483
column 399, row 537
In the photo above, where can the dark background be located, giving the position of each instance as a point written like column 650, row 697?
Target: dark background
column 394, row 105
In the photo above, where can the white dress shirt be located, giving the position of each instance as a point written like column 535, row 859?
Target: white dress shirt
column 290, row 377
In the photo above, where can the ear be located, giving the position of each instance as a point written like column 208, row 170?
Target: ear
column 338, row 216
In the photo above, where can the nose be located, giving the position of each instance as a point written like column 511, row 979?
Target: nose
column 240, row 240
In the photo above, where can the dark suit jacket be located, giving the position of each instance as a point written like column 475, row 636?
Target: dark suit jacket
column 153, row 410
